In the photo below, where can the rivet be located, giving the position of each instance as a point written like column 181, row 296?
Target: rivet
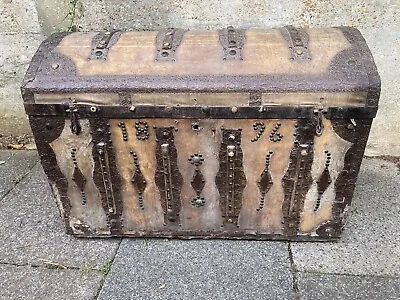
column 234, row 109
column 55, row 66
column 299, row 52
column 93, row 109
column 231, row 154
column 132, row 108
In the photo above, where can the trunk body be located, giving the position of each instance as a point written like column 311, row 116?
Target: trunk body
column 253, row 134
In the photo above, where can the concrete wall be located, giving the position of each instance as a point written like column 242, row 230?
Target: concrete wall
column 24, row 23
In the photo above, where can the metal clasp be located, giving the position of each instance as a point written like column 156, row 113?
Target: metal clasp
column 73, row 111
column 318, row 112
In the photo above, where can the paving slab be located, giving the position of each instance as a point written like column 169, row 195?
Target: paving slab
column 199, row 269
column 31, row 230
column 324, row 286
column 42, row 283
column 14, row 165
column 370, row 244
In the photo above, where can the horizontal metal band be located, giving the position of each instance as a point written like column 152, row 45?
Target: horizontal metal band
column 202, row 112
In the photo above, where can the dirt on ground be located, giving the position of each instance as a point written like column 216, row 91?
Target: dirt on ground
column 21, row 142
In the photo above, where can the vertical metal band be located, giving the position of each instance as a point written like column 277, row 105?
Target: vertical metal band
column 167, row 42
column 232, row 41
column 168, row 178
column 298, row 42
column 297, row 180
column 231, row 179
column 106, row 175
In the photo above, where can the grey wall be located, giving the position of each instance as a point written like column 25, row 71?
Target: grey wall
column 24, row 23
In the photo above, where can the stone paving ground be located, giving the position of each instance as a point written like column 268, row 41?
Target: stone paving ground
column 39, row 261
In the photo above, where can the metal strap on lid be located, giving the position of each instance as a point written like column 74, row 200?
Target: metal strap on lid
column 298, row 42
column 167, row 42
column 102, row 43
column 232, row 41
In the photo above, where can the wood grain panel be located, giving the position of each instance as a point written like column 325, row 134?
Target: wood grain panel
column 264, row 52
column 135, row 218
column 268, row 219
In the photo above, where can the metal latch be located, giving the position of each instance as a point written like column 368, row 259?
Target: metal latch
column 232, row 41
column 318, row 113
column 72, row 110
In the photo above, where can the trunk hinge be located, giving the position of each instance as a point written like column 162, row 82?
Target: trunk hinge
column 319, row 113
column 72, row 110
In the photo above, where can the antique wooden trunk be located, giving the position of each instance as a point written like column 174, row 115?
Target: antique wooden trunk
column 253, row 134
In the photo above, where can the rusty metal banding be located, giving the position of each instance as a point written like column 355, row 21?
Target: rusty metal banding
column 167, row 177
column 232, row 41
column 297, row 39
column 105, row 175
column 298, row 179
column 152, row 111
column 167, row 42
column 102, row 43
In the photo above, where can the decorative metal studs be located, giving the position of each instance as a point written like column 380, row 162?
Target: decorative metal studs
column 265, row 182
column 138, row 180
column 260, row 127
column 324, row 180
column 142, row 130
column 78, row 177
column 196, row 126
column 275, row 136
column 124, row 132
column 198, row 181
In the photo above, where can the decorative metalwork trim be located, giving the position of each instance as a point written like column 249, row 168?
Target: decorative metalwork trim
column 265, row 182
column 232, row 41
column 125, row 99
column 167, row 41
column 324, row 180
column 102, row 43
column 255, row 99
column 78, row 177
column 106, row 175
column 45, row 131
column 196, row 112
column 138, row 180
column 124, row 132
column 231, row 179
column 298, row 179
column 168, row 178
column 275, row 136
column 260, row 127
column 73, row 111
column 198, row 181
column 298, row 42
column 142, row 130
